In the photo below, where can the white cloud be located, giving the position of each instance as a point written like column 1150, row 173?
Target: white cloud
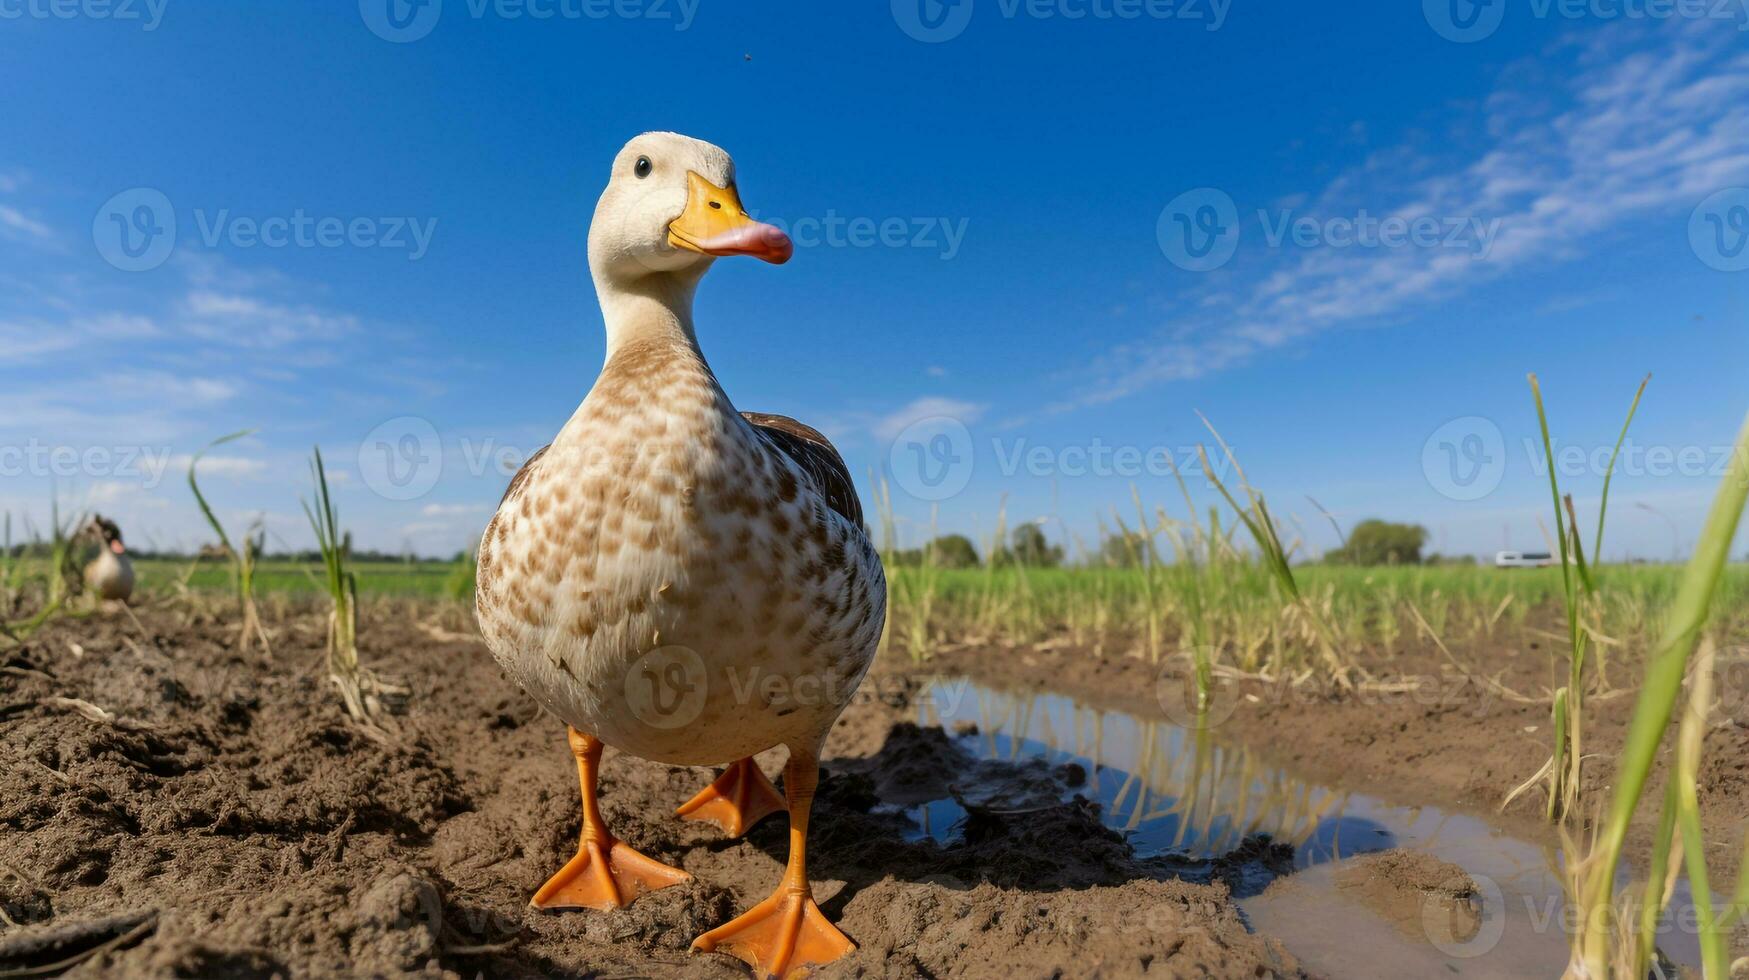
column 117, row 326
column 888, row 427
column 248, row 321
column 224, row 467
column 108, row 493
column 453, row 510
column 1648, row 122
column 30, row 341
column 16, row 220
column 166, row 388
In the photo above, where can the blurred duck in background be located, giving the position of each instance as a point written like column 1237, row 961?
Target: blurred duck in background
column 110, row 576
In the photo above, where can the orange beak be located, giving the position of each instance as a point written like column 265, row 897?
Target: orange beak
column 715, row 223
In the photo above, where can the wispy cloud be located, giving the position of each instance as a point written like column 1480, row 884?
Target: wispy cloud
column 1608, row 129
column 454, row 510
column 16, row 220
column 887, row 427
column 221, row 467
column 250, row 321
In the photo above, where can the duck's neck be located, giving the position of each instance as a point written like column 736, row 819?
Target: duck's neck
column 650, row 310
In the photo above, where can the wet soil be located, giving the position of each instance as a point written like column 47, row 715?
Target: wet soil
column 1436, row 731
column 1405, row 887
column 172, row 807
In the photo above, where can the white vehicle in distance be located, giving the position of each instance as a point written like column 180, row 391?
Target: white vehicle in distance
column 1523, row 559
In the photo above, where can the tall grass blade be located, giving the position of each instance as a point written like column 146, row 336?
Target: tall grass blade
column 1688, row 616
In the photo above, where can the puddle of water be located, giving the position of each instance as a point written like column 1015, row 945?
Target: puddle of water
column 1171, row 792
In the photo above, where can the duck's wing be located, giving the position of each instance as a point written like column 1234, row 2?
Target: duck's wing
column 521, row 476
column 816, row 456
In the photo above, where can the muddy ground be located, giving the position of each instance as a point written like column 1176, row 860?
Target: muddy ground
column 220, row 817
column 171, row 807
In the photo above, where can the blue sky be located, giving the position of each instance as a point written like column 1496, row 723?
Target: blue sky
column 379, row 248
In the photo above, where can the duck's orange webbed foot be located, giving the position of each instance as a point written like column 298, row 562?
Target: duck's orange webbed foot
column 780, row 937
column 741, row 797
column 787, row 934
column 605, row 873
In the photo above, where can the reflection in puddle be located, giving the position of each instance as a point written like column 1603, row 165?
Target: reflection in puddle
column 1174, row 793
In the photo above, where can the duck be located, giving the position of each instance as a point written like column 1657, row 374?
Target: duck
column 109, row 576
column 679, row 580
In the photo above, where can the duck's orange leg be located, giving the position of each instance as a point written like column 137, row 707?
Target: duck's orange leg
column 605, row 874
column 787, row 933
column 741, row 797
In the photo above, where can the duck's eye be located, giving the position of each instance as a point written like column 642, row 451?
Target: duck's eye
column 643, row 167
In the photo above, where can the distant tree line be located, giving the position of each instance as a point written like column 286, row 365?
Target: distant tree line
column 1027, row 547
column 1372, row 542
column 1376, row 542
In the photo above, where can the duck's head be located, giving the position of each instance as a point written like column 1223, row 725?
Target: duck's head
column 107, row 531
column 671, row 206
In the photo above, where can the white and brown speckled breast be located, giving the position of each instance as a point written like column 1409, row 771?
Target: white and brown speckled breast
column 664, row 578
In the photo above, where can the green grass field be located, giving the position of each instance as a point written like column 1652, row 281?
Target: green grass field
column 419, row 579
column 1233, row 609
column 1048, row 598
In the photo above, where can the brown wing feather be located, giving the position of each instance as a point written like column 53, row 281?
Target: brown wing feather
column 521, row 476
column 816, row 456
